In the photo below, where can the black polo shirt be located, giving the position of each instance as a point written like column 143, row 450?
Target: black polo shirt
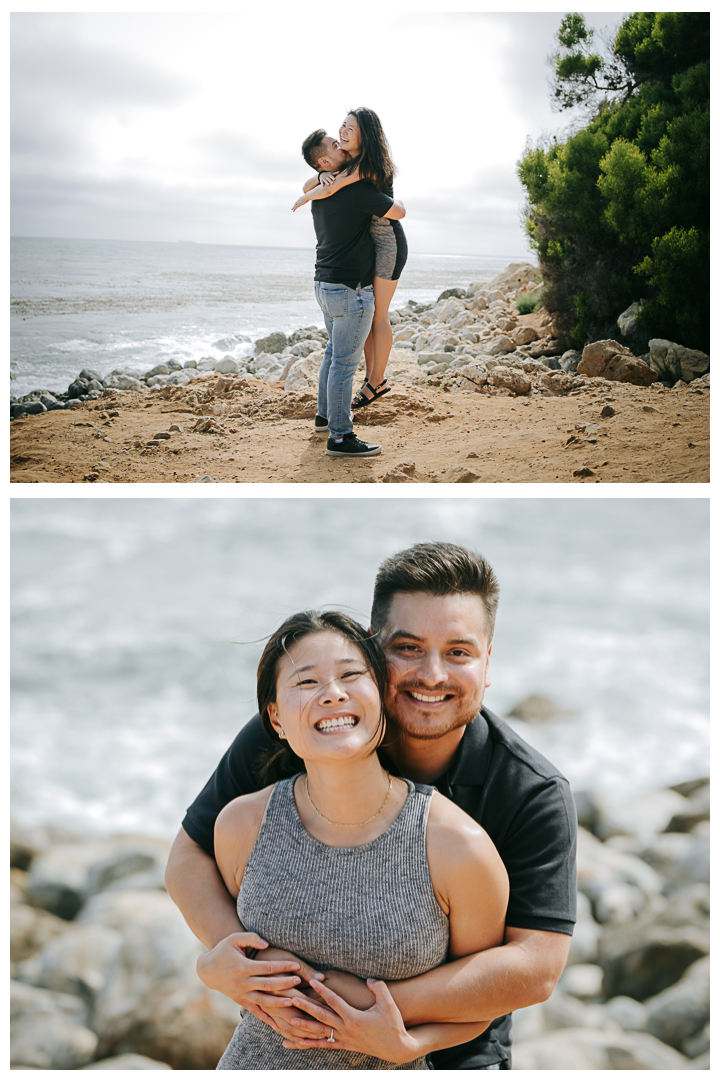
column 345, row 251
column 520, row 799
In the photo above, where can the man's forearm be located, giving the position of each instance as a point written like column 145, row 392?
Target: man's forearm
column 485, row 985
column 194, row 884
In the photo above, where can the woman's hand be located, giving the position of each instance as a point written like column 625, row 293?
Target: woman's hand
column 378, row 1031
column 301, row 202
column 252, row 984
column 327, row 178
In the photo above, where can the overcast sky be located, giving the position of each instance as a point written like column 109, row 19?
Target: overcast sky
column 188, row 126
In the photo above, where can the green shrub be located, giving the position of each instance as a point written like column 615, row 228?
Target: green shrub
column 530, row 303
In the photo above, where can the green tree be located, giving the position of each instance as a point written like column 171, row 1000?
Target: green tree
column 621, row 208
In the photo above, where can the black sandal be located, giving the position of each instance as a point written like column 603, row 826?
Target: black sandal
column 362, row 399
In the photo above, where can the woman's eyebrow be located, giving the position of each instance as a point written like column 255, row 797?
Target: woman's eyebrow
column 312, row 667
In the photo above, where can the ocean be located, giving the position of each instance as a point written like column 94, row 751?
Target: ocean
column 137, row 625
column 105, row 304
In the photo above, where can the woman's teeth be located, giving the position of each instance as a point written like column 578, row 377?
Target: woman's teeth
column 334, row 723
column 427, row 697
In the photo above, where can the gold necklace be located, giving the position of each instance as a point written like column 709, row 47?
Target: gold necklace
column 342, row 824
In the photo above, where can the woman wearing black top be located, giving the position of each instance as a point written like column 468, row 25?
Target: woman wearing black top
column 362, row 137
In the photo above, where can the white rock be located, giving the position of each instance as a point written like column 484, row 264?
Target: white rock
column 127, row 1061
column 226, row 366
column 303, row 374
column 47, row 1030
column 78, row 962
column 502, row 344
column 122, row 382
column 642, row 816
column 582, row 981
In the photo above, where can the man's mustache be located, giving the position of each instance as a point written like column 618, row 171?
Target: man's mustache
column 420, row 689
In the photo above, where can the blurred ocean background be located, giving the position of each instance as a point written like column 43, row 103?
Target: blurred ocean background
column 137, row 625
column 105, row 304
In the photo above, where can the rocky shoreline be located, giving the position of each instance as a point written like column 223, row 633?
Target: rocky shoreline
column 471, row 340
column 103, row 965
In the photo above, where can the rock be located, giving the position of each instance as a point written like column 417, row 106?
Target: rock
column 159, row 369
column 273, row 343
column 583, row 1049
column 431, row 357
column 303, row 374
column 696, row 810
column 460, row 293
column 31, row 929
column 47, row 1030
column 205, row 480
column 402, row 345
column 537, row 708
column 77, row 962
column 619, row 902
column 460, row 475
column 397, row 476
column 226, row 365
column 642, row 816
column 162, row 435
column 510, row 379
column 630, row 1014
column 128, row 1061
column 627, row 322
column 122, row 382
column 682, row 1010
column 607, row 411
column 570, row 360
column 190, row 364
column 644, row 957
column 557, row 383
column 586, row 936
column 611, row 360
column 672, row 361
column 502, row 344
column 599, row 867
column 698, row 1045
column 524, row 335
column 181, row 1023
column 582, row 981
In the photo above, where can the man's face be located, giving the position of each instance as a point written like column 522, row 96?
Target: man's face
column 333, row 157
column 438, row 656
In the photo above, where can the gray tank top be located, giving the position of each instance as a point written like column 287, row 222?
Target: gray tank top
column 369, row 910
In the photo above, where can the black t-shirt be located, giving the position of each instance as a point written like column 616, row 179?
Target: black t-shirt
column 520, row 799
column 345, row 251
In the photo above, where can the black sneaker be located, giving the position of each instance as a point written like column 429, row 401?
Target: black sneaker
column 352, row 447
column 321, row 424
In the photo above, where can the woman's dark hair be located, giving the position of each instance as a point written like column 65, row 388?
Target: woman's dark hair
column 282, row 762
column 373, row 161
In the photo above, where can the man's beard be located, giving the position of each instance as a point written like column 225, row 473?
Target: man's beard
column 465, row 713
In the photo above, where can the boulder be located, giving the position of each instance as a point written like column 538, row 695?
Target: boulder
column 77, row 962
column 523, row 335
column 273, row 343
column 122, row 382
column 510, row 379
column 630, row 1014
column 431, row 356
column 697, row 809
column 303, row 373
column 502, row 344
column 583, row 981
column 226, row 366
column 460, row 293
column 557, row 383
column 128, row 1061
column 600, row 867
column 682, row 1010
column 611, row 360
column 642, row 816
column 181, row 1022
column 570, row 360
column 48, row 1030
column 31, row 929
column 644, row 957
column 583, row 1049
column 586, row 936
column 159, row 369
column 672, row 361
column 627, row 322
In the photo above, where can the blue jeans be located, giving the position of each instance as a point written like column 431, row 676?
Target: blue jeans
column 348, row 317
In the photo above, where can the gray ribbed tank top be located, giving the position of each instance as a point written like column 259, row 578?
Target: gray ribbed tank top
column 369, row 910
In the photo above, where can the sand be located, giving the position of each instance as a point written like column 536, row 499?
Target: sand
column 258, row 433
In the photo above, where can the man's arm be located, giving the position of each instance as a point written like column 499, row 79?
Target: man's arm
column 521, row 972
column 193, row 882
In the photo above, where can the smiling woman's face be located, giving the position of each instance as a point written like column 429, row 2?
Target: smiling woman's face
column 350, row 138
column 327, row 702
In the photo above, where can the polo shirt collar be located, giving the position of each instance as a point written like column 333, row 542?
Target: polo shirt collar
column 473, row 759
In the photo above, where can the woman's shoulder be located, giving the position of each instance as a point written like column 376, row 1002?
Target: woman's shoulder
column 245, row 810
column 453, row 834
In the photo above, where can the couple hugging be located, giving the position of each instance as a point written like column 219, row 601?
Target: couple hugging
column 361, row 251
column 380, row 868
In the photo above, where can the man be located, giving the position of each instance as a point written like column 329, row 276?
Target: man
column 344, row 270
column 434, row 609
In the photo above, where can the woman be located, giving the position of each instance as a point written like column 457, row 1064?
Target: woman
column 364, row 875
column 362, row 136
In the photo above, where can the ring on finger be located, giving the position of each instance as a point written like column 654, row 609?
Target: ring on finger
column 331, row 1036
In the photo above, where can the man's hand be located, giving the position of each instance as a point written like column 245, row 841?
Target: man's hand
column 254, row 983
column 378, row 1031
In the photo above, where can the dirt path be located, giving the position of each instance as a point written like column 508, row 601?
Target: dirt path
column 256, row 433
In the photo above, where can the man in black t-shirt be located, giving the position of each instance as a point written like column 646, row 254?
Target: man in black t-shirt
column 344, row 270
column 434, row 610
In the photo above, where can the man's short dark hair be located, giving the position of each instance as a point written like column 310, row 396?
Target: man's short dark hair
column 312, row 150
column 439, row 569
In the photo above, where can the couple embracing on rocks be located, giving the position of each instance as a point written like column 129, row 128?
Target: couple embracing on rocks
column 361, row 252
column 380, row 868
